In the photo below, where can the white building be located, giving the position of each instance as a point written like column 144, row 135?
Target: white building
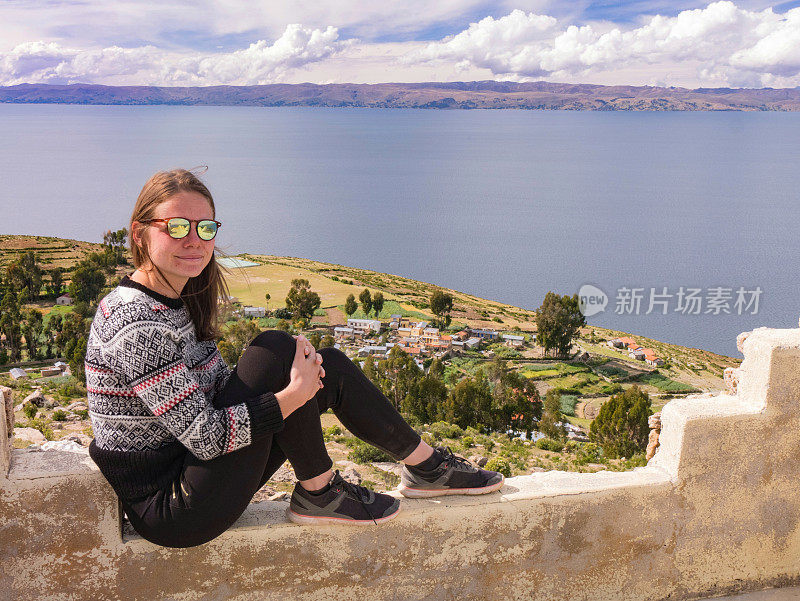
column 64, row 299
column 341, row 332
column 254, row 311
column 472, row 343
column 513, row 339
column 364, row 326
column 18, row 373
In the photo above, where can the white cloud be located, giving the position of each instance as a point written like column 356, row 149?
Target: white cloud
column 137, row 42
column 260, row 63
column 729, row 45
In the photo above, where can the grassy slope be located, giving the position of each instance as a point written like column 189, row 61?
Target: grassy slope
column 694, row 367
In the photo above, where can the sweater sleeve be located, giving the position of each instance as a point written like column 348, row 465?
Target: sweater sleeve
column 147, row 354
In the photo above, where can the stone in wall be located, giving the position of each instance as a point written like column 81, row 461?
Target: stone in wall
column 654, row 421
column 5, row 392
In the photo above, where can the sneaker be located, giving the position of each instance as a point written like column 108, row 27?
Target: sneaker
column 453, row 476
column 343, row 503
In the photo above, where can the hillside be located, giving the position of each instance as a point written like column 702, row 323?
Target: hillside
column 693, row 368
column 432, row 95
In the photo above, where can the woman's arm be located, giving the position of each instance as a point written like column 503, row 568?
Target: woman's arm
column 147, row 354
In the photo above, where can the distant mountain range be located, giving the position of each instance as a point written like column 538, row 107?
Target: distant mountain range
column 433, row 95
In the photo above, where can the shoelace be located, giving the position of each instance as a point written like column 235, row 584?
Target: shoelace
column 355, row 491
column 452, row 458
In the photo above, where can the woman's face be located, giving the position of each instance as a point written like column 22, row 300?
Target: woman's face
column 180, row 259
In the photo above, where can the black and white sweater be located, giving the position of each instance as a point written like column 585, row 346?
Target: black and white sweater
column 150, row 386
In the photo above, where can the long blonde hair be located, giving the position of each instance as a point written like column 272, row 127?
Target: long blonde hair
column 202, row 293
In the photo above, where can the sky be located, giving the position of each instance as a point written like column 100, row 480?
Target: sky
column 747, row 43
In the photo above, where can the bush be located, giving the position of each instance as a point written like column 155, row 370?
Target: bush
column 610, row 389
column 30, row 410
column 333, row 430
column 467, row 441
column 82, row 413
column 59, row 415
column 442, row 430
column 621, row 426
column 548, row 444
column 588, row 453
column 42, row 426
column 499, row 464
column 365, row 453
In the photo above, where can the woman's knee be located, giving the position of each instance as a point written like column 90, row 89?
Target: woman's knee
column 279, row 342
column 334, row 359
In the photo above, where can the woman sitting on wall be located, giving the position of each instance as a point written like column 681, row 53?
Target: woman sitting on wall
column 184, row 440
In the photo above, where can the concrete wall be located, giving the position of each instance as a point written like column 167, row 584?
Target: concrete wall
column 717, row 510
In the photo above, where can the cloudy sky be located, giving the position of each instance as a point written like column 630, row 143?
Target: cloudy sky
column 746, row 43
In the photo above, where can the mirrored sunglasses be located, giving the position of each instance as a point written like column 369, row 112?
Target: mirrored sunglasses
column 178, row 227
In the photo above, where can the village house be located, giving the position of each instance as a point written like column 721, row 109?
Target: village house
column 364, row 326
column 18, row 373
column 342, row 333
column 513, row 340
column 472, row 343
column 254, row 311
column 485, row 334
column 64, row 299
column 375, row 351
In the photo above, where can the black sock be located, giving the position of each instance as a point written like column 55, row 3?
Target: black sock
column 431, row 463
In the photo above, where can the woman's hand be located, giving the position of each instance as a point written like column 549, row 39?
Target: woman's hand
column 306, row 377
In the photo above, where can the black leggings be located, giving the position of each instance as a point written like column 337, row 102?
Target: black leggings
column 208, row 496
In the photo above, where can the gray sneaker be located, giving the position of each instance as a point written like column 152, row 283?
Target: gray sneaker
column 453, row 476
column 344, row 503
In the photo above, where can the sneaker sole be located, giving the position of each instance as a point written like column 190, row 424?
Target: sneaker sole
column 299, row 518
column 407, row 491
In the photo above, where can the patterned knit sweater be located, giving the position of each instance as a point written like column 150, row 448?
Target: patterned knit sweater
column 150, row 387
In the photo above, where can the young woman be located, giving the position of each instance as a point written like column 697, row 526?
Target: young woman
column 186, row 442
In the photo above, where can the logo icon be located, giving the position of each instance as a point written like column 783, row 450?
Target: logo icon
column 591, row 300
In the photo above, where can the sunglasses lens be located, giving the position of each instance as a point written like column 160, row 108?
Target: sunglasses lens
column 207, row 229
column 178, row 227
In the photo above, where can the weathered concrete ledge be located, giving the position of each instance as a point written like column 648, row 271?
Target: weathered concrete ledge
column 716, row 511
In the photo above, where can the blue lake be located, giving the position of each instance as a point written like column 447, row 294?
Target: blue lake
column 501, row 204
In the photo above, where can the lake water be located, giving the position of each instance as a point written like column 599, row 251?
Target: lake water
column 505, row 205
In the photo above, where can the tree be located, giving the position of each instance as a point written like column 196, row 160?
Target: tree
column 87, row 282
column 437, row 368
column 350, row 305
column 441, row 305
column 301, row 300
column 237, row 335
column 10, row 319
column 315, row 338
column 398, row 372
column 32, row 328
column 426, row 398
column 33, row 273
column 470, row 403
column 327, row 340
column 56, row 281
column 267, row 297
column 366, row 301
column 558, row 321
column 516, row 403
column 114, row 241
column 621, row 426
column 377, row 303
column 552, row 422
